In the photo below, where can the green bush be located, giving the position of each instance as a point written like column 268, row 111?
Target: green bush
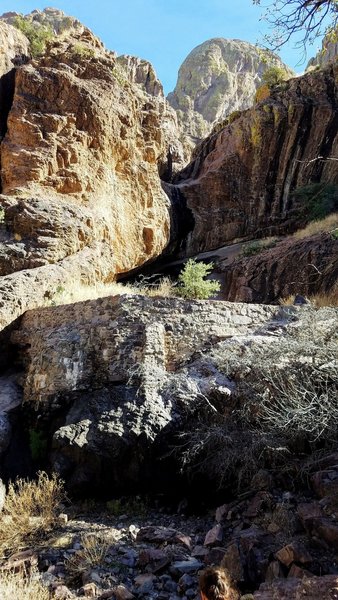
column 82, row 50
column 274, row 75
column 258, row 246
column 318, row 200
column 252, row 248
column 38, row 35
column 192, row 282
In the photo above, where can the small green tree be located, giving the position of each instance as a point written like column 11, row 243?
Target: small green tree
column 38, row 35
column 274, row 75
column 192, row 282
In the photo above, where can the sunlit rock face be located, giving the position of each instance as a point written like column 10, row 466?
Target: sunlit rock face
column 217, row 78
column 86, row 136
column 327, row 54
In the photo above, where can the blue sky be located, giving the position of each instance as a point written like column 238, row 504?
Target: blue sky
column 165, row 31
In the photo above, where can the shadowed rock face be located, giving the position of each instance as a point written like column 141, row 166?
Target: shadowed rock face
column 14, row 50
column 115, row 378
column 308, row 266
column 217, row 78
column 241, row 180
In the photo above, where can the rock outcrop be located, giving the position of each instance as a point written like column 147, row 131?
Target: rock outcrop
column 125, row 373
column 114, row 380
column 328, row 53
column 95, row 135
column 307, row 266
column 53, row 18
column 241, row 181
column 218, row 77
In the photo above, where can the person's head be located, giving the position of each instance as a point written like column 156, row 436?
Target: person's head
column 215, row 584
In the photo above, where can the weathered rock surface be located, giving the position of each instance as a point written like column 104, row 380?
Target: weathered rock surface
column 327, row 54
column 127, row 373
column 95, row 143
column 242, row 178
column 122, row 366
column 295, row 589
column 54, row 18
column 307, row 266
column 217, row 78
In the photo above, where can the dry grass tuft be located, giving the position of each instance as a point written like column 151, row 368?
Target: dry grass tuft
column 93, row 553
column 20, row 586
column 325, row 299
column 30, row 510
column 165, row 288
column 79, row 293
column 287, row 300
column 328, row 224
column 319, row 300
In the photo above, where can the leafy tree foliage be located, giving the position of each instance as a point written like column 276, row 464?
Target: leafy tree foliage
column 192, row 282
column 274, row 75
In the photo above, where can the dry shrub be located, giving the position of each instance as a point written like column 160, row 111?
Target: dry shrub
column 82, row 292
column 326, row 225
column 30, row 510
column 319, row 300
column 287, row 300
column 93, row 553
column 285, row 402
column 165, row 288
column 325, row 298
column 262, row 93
column 20, row 586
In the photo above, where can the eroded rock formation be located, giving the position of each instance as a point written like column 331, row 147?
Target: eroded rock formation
column 328, row 53
column 53, row 18
column 79, row 169
column 218, row 77
column 241, row 181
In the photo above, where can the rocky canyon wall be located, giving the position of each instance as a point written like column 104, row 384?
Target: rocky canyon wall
column 241, row 181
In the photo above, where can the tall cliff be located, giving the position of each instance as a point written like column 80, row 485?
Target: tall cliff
column 241, row 181
column 81, row 194
column 217, row 78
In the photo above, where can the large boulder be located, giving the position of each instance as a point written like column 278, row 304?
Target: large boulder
column 115, row 381
column 118, row 377
column 96, row 133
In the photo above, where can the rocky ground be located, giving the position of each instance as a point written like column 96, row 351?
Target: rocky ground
column 275, row 543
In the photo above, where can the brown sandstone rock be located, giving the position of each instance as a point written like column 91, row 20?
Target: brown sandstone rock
column 293, row 553
column 214, row 536
column 95, row 136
